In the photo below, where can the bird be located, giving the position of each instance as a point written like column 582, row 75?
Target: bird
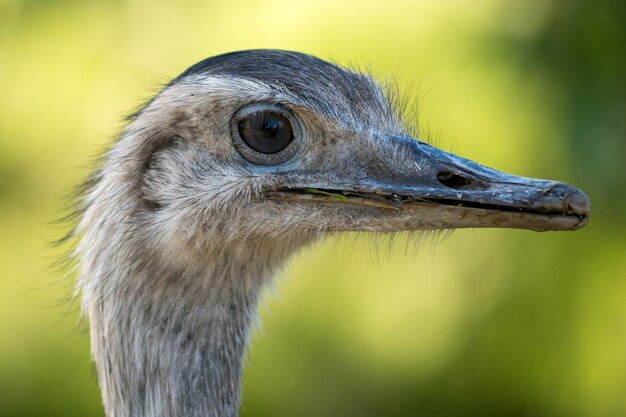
column 239, row 162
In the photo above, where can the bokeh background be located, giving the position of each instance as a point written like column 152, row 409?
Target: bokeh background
column 485, row 323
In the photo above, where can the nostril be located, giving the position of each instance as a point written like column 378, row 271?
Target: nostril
column 452, row 180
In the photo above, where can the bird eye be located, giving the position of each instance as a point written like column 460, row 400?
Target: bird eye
column 264, row 133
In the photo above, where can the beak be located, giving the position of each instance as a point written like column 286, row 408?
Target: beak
column 421, row 187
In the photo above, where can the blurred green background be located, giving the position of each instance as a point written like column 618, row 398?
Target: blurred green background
column 502, row 323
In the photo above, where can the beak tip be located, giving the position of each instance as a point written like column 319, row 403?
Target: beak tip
column 578, row 202
column 582, row 223
column 572, row 201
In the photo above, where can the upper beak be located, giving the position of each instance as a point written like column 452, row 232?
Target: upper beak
column 433, row 189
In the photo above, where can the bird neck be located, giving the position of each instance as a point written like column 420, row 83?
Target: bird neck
column 170, row 342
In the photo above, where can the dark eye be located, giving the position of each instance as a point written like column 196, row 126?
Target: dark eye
column 266, row 134
column 266, row 131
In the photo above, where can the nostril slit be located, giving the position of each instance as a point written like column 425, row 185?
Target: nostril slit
column 452, row 180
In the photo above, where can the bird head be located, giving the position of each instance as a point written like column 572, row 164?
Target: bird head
column 263, row 146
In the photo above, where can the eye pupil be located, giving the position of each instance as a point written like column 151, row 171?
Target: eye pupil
column 270, row 127
column 267, row 132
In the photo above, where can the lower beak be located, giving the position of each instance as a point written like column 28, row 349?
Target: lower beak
column 427, row 188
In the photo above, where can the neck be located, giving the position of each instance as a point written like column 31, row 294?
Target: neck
column 171, row 343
